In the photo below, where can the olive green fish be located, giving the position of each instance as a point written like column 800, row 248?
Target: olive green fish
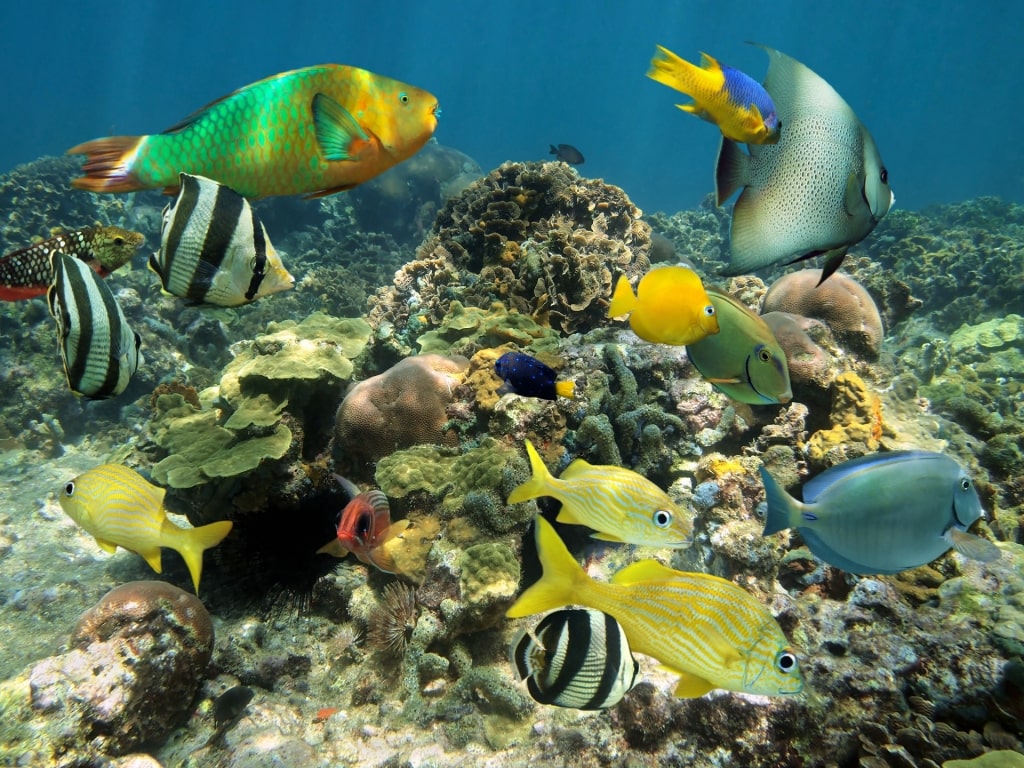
column 616, row 502
column 744, row 359
column 820, row 190
column 312, row 131
column 707, row 630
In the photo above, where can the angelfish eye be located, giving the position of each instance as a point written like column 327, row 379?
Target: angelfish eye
column 884, row 176
column 662, row 518
column 69, row 488
column 785, row 662
column 403, row 97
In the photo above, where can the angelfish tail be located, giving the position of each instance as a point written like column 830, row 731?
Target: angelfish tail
column 108, row 164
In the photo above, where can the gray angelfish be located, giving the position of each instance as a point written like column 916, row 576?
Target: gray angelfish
column 883, row 513
column 818, row 191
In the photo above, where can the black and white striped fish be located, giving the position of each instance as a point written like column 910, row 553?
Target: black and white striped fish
column 99, row 349
column 213, row 249
column 575, row 658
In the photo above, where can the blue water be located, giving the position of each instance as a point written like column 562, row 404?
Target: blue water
column 937, row 83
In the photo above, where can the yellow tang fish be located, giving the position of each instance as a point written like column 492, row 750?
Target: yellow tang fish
column 618, row 503
column 312, row 131
column 709, row 631
column 670, row 306
column 120, row 509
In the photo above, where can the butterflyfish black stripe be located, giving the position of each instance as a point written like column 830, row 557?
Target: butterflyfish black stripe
column 181, row 215
column 259, row 267
column 570, row 654
column 612, row 664
column 228, row 206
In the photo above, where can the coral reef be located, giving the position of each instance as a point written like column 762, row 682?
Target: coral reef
column 857, row 424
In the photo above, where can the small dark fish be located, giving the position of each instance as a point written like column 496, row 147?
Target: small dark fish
column 527, row 376
column 228, row 709
column 99, row 349
column 567, row 153
column 575, row 658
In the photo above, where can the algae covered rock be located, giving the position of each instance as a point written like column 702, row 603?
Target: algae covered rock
column 856, row 418
column 984, row 338
column 488, row 582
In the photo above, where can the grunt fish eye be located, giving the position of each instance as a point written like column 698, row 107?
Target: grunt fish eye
column 662, row 518
column 785, row 662
column 69, row 488
column 884, row 176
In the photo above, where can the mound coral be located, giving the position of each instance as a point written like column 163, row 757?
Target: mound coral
column 840, row 302
column 809, row 364
column 403, row 406
column 856, row 418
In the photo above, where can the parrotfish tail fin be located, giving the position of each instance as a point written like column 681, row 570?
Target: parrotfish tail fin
column 565, row 388
column 971, row 546
column 190, row 543
column 731, row 171
column 623, row 298
column 538, row 484
column 783, row 509
column 107, row 166
column 560, row 582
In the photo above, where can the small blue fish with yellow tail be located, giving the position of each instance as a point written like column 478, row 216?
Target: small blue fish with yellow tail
column 119, row 508
column 744, row 359
column 617, row 503
column 670, row 306
column 708, row 631
column 527, row 376
column 732, row 100
column 883, row 513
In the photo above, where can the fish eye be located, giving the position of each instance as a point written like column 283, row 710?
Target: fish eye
column 785, row 662
column 965, row 484
column 884, row 176
column 118, row 240
column 662, row 518
column 403, row 97
column 709, row 310
column 69, row 488
column 764, row 355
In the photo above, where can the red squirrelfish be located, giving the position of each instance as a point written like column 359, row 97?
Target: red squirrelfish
column 27, row 273
column 364, row 527
column 312, row 131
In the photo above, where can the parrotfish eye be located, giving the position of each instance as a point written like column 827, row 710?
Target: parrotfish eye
column 709, row 310
column 403, row 97
column 785, row 662
column 662, row 518
column 884, row 176
column 69, row 488
column 764, row 354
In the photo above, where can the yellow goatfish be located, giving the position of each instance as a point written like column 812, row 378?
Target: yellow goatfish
column 707, row 630
column 616, row 502
column 120, row 509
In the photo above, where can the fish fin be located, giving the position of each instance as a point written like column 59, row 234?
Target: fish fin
column 565, row 388
column 107, row 164
column 643, row 571
column 783, row 510
column 337, row 132
column 154, row 265
column 381, row 559
column 577, row 467
column 604, row 536
column 561, row 580
column 566, row 515
column 719, row 380
column 190, row 543
column 348, row 486
column 732, row 171
column 330, row 191
column 109, row 547
column 395, row 530
column 539, row 483
column 974, row 547
column 826, row 553
column 623, row 299
column 152, row 558
column 709, row 63
column 853, row 194
column 691, row 686
column 833, row 261
column 333, row 547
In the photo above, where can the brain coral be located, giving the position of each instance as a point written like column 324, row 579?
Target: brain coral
column 536, row 236
column 840, row 302
column 406, row 405
column 808, row 363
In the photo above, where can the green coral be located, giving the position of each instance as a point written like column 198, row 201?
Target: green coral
column 464, row 330
column 488, row 572
column 1000, row 758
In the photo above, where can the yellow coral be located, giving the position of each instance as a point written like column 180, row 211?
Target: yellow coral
column 856, row 418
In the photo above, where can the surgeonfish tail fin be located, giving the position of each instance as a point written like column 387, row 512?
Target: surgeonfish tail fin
column 973, row 547
column 190, row 543
column 539, row 482
column 730, row 171
column 565, row 388
column 560, row 582
column 623, row 298
column 781, row 506
column 107, row 166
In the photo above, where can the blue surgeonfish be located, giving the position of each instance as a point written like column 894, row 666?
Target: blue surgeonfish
column 883, row 513
column 99, row 349
column 213, row 249
column 744, row 359
column 818, row 191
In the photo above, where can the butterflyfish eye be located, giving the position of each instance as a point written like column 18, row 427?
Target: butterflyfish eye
column 69, row 488
column 709, row 310
column 965, row 484
column 884, row 176
column 764, row 354
column 785, row 662
column 403, row 97
column 662, row 518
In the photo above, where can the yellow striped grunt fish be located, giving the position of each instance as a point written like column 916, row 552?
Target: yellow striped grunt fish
column 707, row 630
column 119, row 508
column 616, row 502
column 313, row 131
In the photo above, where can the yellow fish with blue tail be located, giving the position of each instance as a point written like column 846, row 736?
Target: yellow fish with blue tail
column 670, row 306
column 722, row 95
column 618, row 503
column 119, row 508
column 708, row 631
column 744, row 360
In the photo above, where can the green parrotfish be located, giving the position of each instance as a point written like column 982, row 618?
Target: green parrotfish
column 312, row 131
